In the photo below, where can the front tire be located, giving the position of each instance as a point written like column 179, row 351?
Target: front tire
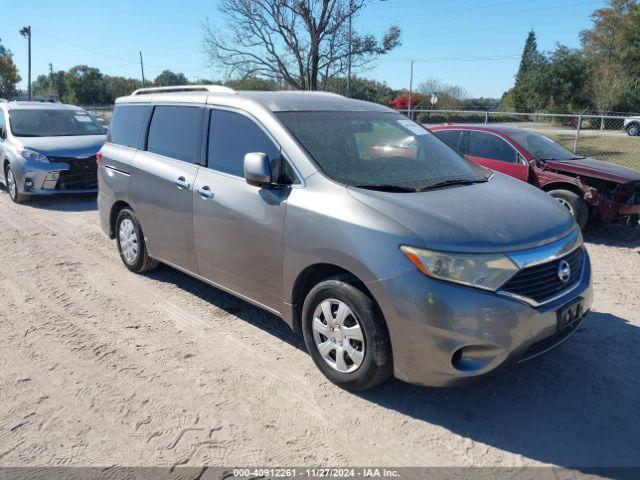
column 131, row 245
column 346, row 335
column 576, row 205
column 634, row 129
column 12, row 187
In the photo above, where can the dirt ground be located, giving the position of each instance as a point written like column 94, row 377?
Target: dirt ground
column 99, row 367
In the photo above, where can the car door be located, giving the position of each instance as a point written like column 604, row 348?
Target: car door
column 3, row 139
column 239, row 228
column 165, row 172
column 494, row 152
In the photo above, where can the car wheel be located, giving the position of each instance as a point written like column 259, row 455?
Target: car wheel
column 346, row 335
column 131, row 246
column 634, row 129
column 572, row 202
column 12, row 187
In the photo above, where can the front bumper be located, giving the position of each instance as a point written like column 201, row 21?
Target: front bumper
column 57, row 178
column 429, row 322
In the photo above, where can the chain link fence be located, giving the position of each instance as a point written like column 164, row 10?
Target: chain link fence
column 103, row 112
column 600, row 137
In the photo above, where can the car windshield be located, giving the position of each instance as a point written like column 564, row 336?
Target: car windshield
column 542, row 147
column 39, row 122
column 383, row 151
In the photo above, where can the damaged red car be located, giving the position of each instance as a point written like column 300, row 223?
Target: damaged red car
column 590, row 189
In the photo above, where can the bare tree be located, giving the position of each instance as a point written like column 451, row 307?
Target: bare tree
column 301, row 42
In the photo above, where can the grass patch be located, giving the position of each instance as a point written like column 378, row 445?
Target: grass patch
column 622, row 150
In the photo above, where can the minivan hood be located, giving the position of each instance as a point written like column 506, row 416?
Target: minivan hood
column 502, row 214
column 73, row 146
column 590, row 167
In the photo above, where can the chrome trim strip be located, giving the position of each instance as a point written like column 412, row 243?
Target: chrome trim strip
column 533, row 303
column 547, row 253
column 114, row 169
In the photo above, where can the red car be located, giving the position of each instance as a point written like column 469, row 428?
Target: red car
column 588, row 188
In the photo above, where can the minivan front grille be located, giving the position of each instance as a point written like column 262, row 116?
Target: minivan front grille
column 81, row 175
column 542, row 282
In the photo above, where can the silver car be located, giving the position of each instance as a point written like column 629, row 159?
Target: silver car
column 414, row 263
column 47, row 149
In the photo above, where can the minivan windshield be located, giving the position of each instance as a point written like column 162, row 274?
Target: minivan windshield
column 39, row 122
column 383, row 151
column 541, row 147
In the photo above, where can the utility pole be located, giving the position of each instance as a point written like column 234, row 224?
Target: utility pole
column 142, row 68
column 26, row 33
column 350, row 49
column 410, row 88
column 53, row 87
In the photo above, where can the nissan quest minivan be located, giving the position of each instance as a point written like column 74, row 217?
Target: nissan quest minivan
column 426, row 266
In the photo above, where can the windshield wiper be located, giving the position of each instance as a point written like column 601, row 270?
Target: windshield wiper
column 453, row 181
column 387, row 188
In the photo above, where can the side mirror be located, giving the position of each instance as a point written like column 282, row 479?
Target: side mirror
column 257, row 169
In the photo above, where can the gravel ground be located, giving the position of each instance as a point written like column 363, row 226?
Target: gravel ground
column 99, row 367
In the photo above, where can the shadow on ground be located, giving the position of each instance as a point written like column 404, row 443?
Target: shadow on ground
column 575, row 407
column 65, row 203
column 615, row 235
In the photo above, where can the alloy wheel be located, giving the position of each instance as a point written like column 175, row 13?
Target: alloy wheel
column 11, row 184
column 338, row 336
column 128, row 241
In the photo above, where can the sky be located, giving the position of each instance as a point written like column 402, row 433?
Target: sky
column 475, row 44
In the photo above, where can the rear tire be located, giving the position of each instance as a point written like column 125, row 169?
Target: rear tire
column 576, row 205
column 131, row 245
column 12, row 187
column 634, row 129
column 360, row 336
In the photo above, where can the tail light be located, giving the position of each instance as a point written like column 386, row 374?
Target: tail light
column 98, row 157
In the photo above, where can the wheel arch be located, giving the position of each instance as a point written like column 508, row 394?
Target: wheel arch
column 563, row 185
column 311, row 276
column 116, row 208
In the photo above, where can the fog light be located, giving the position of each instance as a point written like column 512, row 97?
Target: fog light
column 476, row 357
column 28, row 183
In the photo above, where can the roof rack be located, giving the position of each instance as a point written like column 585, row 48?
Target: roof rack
column 184, row 88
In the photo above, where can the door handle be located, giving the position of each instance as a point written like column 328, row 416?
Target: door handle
column 182, row 183
column 205, row 192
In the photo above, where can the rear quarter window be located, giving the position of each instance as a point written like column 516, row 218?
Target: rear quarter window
column 126, row 124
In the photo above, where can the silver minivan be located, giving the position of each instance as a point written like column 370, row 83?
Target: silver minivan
column 414, row 262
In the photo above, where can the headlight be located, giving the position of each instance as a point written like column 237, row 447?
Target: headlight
column 486, row 271
column 31, row 155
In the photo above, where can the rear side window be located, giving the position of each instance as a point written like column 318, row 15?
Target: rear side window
column 450, row 137
column 487, row 145
column 175, row 132
column 126, row 124
column 231, row 137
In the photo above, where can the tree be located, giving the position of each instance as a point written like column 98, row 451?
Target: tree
column 252, row 83
column 612, row 46
column 86, row 86
column 530, row 89
column 401, row 101
column 449, row 96
column 362, row 89
column 169, row 79
column 9, row 77
column 119, row 87
column 301, row 42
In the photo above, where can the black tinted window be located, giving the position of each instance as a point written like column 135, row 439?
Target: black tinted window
column 126, row 124
column 3, row 133
column 450, row 137
column 231, row 136
column 175, row 132
column 487, row 145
